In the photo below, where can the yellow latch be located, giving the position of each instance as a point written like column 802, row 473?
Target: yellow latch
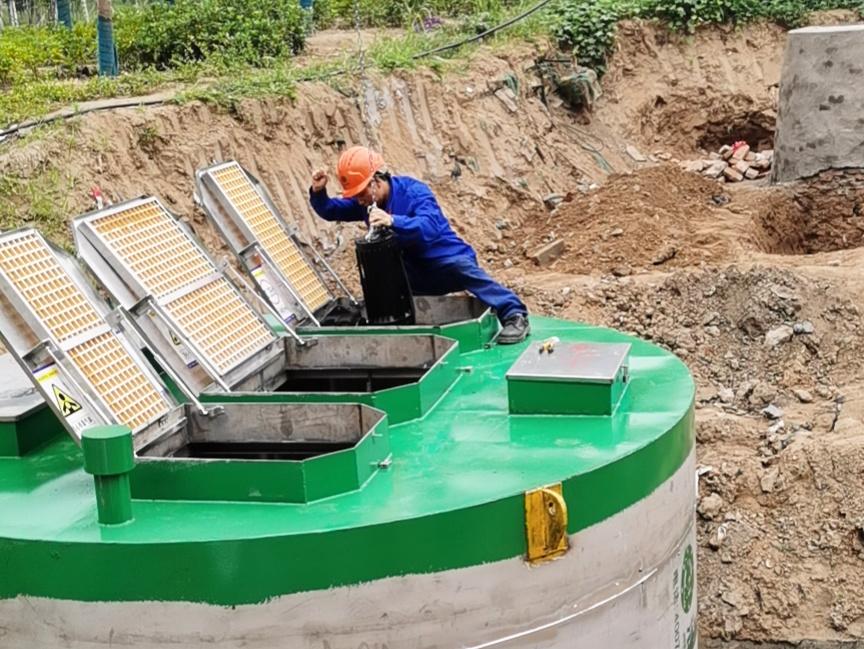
column 546, row 523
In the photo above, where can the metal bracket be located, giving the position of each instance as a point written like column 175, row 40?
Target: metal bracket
column 545, row 524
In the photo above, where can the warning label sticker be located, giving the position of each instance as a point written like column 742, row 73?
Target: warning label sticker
column 69, row 404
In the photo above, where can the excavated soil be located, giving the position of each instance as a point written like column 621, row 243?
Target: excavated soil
column 758, row 288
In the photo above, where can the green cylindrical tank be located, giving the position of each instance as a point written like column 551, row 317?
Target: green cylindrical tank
column 496, row 520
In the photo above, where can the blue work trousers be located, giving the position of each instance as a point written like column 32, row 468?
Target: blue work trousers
column 434, row 277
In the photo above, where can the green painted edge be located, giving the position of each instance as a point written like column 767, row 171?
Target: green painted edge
column 271, row 481
column 402, row 403
column 18, row 438
column 273, row 566
column 470, row 334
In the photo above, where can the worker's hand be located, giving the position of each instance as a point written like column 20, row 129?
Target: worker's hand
column 319, row 180
column 380, row 218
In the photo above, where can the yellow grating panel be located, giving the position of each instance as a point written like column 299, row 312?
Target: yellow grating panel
column 155, row 247
column 220, row 323
column 33, row 270
column 126, row 390
column 272, row 237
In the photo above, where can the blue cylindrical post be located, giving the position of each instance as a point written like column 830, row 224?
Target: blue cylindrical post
column 64, row 13
column 108, row 65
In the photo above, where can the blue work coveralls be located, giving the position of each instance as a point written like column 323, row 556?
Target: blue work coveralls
column 436, row 259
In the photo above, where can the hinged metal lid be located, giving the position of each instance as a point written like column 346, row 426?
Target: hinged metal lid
column 55, row 326
column 257, row 233
column 571, row 362
column 155, row 267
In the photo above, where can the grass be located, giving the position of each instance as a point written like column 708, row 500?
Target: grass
column 224, row 85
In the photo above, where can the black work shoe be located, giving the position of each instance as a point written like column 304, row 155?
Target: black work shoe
column 516, row 329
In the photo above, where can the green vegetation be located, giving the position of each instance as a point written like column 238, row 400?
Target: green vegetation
column 225, row 50
column 588, row 26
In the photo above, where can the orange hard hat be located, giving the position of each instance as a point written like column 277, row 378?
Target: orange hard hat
column 356, row 168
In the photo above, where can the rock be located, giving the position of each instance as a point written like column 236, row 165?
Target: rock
column 718, row 537
column 741, row 152
column 733, row 175
column 695, row 166
column 712, row 317
column 553, row 200
column 772, row 412
column 726, row 395
column 710, row 506
column 779, row 335
column 725, row 152
column 617, row 232
column 751, row 174
column 768, row 482
column 634, row 153
column 803, row 396
column 508, row 263
column 776, row 427
column 715, row 169
column 805, row 327
column 665, row 254
column 741, row 166
column 548, row 253
column 824, row 391
column 508, row 98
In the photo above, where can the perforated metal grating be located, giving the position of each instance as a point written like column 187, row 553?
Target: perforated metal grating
column 47, row 290
column 164, row 259
column 266, row 228
column 143, row 236
column 54, row 299
column 119, row 380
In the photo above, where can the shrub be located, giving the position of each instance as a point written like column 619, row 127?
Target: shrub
column 239, row 31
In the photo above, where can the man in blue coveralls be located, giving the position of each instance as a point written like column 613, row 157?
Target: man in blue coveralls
column 436, row 259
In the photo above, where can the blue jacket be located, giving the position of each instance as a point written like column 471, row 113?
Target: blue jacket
column 422, row 230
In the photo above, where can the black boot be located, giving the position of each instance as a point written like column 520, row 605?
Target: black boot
column 516, row 329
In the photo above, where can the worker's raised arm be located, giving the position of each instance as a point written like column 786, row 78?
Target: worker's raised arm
column 423, row 223
column 332, row 209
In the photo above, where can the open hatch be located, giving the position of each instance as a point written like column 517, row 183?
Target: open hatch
column 286, row 270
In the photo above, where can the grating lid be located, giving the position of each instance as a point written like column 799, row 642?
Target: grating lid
column 158, row 258
column 571, row 362
column 55, row 309
column 241, row 201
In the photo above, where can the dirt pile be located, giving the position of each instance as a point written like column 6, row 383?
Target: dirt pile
column 776, row 356
column 657, row 216
column 820, row 215
column 755, row 335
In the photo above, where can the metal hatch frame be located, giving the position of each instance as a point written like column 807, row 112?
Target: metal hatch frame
column 51, row 368
column 259, row 264
column 188, row 359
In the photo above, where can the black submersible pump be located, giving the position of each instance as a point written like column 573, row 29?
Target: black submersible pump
column 384, row 280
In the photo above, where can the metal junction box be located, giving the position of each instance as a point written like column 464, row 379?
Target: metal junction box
column 571, row 379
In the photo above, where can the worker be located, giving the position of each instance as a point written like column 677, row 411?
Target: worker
column 436, row 259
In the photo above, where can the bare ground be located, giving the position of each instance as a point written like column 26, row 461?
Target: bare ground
column 758, row 288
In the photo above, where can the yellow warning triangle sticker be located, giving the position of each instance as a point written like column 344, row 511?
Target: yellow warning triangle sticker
column 68, row 405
